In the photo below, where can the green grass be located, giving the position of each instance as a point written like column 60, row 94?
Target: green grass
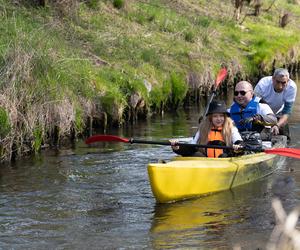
column 5, row 126
column 58, row 71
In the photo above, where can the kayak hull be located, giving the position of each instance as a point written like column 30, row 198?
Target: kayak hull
column 188, row 177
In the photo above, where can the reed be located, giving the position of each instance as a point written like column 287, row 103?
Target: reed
column 66, row 65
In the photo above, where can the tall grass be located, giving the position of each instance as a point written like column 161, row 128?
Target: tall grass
column 60, row 70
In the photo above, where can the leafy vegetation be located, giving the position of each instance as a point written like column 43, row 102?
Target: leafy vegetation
column 67, row 63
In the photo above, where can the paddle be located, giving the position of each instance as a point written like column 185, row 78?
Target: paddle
column 289, row 152
column 113, row 138
column 220, row 77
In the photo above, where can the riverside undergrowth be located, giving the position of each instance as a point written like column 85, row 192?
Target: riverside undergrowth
column 68, row 66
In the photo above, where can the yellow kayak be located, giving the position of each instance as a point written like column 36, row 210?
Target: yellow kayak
column 188, row 177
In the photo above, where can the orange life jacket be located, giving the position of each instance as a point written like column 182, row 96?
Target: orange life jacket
column 215, row 135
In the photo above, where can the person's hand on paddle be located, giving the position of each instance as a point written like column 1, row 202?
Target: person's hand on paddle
column 238, row 146
column 275, row 130
column 173, row 144
column 253, row 119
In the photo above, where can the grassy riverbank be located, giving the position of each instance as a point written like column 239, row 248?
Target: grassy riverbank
column 65, row 68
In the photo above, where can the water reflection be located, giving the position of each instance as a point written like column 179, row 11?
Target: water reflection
column 208, row 221
column 100, row 197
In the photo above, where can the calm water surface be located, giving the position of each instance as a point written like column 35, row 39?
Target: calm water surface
column 100, row 198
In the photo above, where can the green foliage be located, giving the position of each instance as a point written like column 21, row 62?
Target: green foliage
column 173, row 90
column 179, row 88
column 143, row 16
column 38, row 138
column 79, row 122
column 120, row 86
column 160, row 95
column 206, row 40
column 114, row 103
column 189, row 36
column 171, row 23
column 93, row 4
column 151, row 56
column 5, row 126
column 126, row 82
column 203, row 21
column 118, row 3
column 267, row 42
column 156, row 98
column 100, row 58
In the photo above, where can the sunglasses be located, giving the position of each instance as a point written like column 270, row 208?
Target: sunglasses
column 281, row 82
column 242, row 92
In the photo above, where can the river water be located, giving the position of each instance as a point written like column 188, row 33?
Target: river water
column 100, row 198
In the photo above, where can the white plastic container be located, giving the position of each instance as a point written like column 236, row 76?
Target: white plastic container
column 266, row 144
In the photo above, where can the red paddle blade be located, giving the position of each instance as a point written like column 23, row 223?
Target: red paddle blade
column 289, row 152
column 221, row 76
column 102, row 138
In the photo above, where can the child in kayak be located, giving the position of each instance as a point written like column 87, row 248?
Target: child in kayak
column 217, row 128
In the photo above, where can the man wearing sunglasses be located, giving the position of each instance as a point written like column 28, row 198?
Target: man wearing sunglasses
column 247, row 112
column 279, row 91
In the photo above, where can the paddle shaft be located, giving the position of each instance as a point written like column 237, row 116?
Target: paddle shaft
column 220, row 77
column 131, row 140
column 210, row 100
column 113, row 138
